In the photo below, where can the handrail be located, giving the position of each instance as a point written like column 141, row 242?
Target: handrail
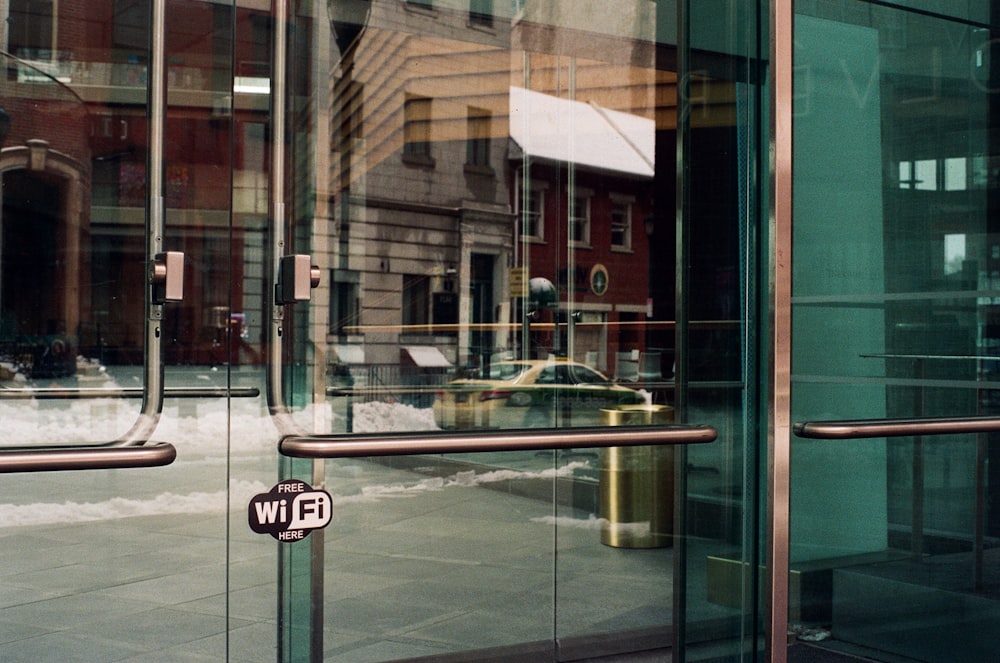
column 52, row 459
column 667, row 385
column 62, row 393
column 423, row 442
column 868, row 428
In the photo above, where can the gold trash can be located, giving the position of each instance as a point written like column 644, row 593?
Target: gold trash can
column 637, row 483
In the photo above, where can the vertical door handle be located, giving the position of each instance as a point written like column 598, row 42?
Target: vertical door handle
column 166, row 275
column 297, row 276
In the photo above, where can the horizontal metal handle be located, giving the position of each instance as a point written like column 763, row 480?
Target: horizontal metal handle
column 667, row 385
column 866, row 428
column 411, row 444
column 52, row 459
column 59, row 393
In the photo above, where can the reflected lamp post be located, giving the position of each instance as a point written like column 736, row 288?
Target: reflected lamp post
column 4, row 126
column 542, row 294
column 649, row 224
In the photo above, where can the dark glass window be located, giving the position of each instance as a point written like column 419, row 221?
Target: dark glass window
column 417, row 127
column 416, row 299
column 481, row 12
column 343, row 300
column 478, row 141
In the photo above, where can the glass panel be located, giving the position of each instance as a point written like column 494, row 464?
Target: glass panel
column 120, row 564
column 720, row 123
column 490, row 191
column 895, row 256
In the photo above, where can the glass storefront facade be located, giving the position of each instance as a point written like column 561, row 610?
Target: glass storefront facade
column 464, row 330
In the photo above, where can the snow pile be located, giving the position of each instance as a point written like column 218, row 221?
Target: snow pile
column 381, row 417
column 239, row 493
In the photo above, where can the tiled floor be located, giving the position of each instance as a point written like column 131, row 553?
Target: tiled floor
column 414, row 566
column 131, row 565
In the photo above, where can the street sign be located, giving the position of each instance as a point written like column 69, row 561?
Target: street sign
column 518, row 281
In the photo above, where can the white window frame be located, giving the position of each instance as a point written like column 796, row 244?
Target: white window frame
column 581, row 238
column 537, row 191
column 618, row 202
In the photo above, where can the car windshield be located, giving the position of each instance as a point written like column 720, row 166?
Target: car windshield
column 584, row 375
column 507, row 370
column 569, row 374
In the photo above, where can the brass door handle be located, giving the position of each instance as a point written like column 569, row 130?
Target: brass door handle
column 410, row 444
column 867, row 428
column 52, row 459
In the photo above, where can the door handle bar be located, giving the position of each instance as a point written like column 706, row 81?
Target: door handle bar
column 410, row 444
column 280, row 414
column 52, row 459
column 868, row 428
column 160, row 263
column 55, row 393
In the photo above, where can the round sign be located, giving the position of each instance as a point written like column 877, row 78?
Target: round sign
column 599, row 279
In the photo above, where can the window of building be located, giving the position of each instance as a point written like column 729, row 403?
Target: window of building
column 533, row 212
column 481, row 13
column 30, row 29
column 621, row 223
column 417, row 127
column 579, row 217
column 477, row 146
column 344, row 300
column 416, row 299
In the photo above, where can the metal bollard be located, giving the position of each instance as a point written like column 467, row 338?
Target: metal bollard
column 637, row 483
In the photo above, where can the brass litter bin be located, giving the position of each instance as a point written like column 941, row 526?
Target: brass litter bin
column 637, row 483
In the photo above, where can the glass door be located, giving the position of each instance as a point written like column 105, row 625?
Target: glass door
column 480, row 266
column 895, row 262
column 132, row 231
column 374, row 330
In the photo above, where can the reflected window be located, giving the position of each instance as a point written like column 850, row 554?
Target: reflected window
column 954, row 253
column 477, row 152
column 344, row 286
column 417, row 127
column 533, row 216
column 925, row 175
column 621, row 222
column 955, row 174
column 416, row 299
column 579, row 218
column 481, row 13
column 31, row 29
column 421, row 3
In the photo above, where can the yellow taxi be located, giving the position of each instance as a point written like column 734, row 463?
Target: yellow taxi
column 530, row 393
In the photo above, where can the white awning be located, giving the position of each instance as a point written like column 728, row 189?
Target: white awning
column 582, row 133
column 426, row 356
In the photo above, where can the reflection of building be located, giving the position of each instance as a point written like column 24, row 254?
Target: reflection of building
column 439, row 194
column 581, row 217
column 424, row 230
column 45, row 162
column 94, row 54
